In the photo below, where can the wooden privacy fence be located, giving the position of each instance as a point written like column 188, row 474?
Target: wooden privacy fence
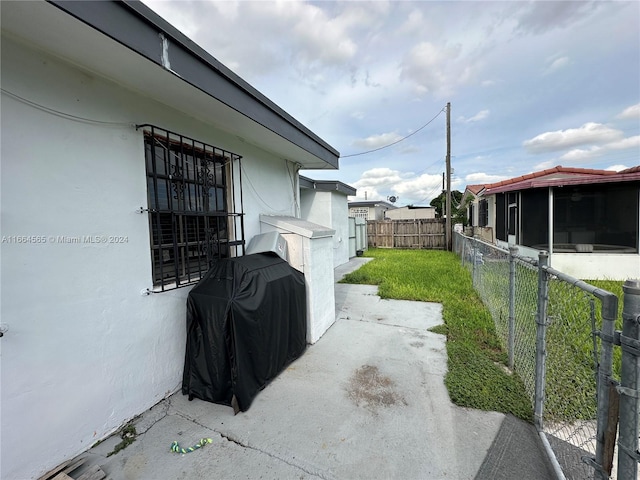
column 419, row 233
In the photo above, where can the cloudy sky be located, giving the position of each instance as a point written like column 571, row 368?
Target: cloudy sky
column 532, row 85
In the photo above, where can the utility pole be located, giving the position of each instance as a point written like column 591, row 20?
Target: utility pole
column 448, row 201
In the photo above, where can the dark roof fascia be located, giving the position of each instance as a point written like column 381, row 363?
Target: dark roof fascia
column 306, row 182
column 137, row 27
column 562, row 182
column 327, row 185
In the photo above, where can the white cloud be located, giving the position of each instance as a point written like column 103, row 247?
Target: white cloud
column 623, row 144
column 581, row 154
column 557, row 64
column 419, row 187
column 413, row 24
column 322, row 38
column 377, row 141
column 544, row 165
column 379, row 183
column 429, row 67
column 616, row 168
column 481, row 115
column 481, row 178
column 562, row 139
column 540, row 17
column 257, row 38
column 631, row 112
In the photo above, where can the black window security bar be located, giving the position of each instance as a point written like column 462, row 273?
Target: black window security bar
column 191, row 206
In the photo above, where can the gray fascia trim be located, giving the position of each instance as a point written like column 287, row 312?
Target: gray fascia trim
column 334, row 185
column 306, row 182
column 371, row 204
column 327, row 185
column 138, row 28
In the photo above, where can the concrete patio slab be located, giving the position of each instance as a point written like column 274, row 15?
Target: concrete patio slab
column 367, row 401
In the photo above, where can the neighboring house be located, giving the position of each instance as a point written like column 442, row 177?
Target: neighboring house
column 370, row 210
column 410, row 213
column 325, row 202
column 131, row 158
column 586, row 219
column 471, row 200
column 477, row 213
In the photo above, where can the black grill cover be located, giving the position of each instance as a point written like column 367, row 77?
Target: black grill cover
column 246, row 321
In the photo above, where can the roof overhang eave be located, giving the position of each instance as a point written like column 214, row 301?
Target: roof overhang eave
column 127, row 43
column 327, row 186
column 563, row 182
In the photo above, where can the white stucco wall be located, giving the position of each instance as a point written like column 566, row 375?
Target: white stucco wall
column 589, row 266
column 85, row 351
column 329, row 209
column 601, row 266
column 310, row 245
column 309, row 255
column 405, row 213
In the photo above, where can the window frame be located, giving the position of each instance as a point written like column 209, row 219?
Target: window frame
column 189, row 228
column 483, row 212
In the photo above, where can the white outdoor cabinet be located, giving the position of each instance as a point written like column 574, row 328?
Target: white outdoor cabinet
column 311, row 252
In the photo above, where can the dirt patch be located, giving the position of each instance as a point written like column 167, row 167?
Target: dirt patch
column 370, row 389
column 417, row 344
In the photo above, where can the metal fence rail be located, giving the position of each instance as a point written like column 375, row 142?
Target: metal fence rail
column 559, row 333
column 576, row 312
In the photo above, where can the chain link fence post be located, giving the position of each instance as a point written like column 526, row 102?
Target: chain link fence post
column 541, row 326
column 474, row 255
column 604, row 447
column 513, row 251
column 628, row 455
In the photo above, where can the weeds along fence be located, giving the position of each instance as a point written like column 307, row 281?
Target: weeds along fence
column 559, row 333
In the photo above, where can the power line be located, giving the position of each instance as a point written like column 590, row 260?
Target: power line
column 431, row 193
column 68, row 116
column 397, row 141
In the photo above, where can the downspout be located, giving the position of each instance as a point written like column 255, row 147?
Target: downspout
column 296, row 189
column 550, row 250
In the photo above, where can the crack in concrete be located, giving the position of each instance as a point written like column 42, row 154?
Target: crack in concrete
column 231, row 439
column 166, row 406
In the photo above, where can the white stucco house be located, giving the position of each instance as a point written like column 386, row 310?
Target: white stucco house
column 131, row 158
column 587, row 220
column 370, row 209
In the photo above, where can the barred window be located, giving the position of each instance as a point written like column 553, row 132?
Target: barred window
column 191, row 201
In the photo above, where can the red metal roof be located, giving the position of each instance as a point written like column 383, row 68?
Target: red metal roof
column 560, row 176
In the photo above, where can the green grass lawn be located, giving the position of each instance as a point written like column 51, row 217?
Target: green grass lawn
column 476, row 377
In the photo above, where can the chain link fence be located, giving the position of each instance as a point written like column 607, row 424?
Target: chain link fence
column 572, row 352
column 552, row 327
